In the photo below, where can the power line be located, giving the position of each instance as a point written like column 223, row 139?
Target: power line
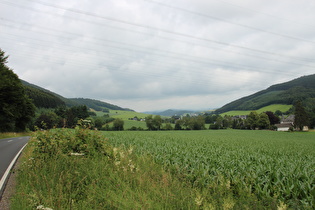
column 266, row 14
column 230, row 22
column 119, row 67
column 159, row 29
column 170, row 54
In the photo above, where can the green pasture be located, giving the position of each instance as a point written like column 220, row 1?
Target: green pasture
column 272, row 108
column 125, row 115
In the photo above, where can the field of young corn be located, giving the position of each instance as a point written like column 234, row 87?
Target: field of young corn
column 278, row 165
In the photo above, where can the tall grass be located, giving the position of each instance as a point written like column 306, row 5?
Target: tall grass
column 78, row 169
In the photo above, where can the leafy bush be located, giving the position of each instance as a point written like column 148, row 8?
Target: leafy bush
column 67, row 142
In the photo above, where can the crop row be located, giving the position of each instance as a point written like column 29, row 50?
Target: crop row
column 267, row 164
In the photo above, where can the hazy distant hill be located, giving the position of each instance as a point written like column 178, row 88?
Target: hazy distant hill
column 48, row 99
column 170, row 112
column 302, row 88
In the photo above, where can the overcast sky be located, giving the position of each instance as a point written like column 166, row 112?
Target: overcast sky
column 158, row 54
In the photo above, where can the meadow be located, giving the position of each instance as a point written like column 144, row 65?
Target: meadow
column 209, row 169
column 272, row 108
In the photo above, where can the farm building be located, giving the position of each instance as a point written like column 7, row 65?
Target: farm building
column 284, row 126
column 286, row 123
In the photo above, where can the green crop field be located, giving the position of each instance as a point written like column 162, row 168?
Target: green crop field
column 131, row 123
column 272, row 108
column 278, row 165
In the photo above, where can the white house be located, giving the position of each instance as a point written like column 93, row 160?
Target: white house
column 286, row 123
column 284, row 126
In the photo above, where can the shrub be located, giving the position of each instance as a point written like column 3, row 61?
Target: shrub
column 67, row 142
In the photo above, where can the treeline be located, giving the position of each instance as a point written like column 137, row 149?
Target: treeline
column 304, row 116
column 61, row 117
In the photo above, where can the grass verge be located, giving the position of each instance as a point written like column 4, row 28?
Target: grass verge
column 12, row 134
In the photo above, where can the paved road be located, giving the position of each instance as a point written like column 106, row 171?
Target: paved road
column 8, row 150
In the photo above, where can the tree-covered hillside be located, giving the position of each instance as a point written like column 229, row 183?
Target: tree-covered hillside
column 300, row 89
column 43, row 98
column 97, row 105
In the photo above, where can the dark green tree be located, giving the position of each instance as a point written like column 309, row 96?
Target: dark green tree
column 178, row 124
column 168, row 126
column 99, row 122
column 273, row 118
column 301, row 118
column 153, row 123
column 118, row 125
column 16, row 109
column 47, row 120
column 227, row 121
column 252, row 120
column 312, row 118
column 149, row 122
column 157, row 122
column 263, row 121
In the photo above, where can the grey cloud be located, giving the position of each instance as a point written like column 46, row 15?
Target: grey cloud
column 145, row 55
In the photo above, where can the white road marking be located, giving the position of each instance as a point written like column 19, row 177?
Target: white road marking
column 6, row 173
column 10, row 140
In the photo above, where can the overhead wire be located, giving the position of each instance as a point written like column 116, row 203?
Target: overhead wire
column 229, row 22
column 150, row 50
column 290, row 21
column 158, row 29
column 202, row 40
column 191, row 43
column 168, row 54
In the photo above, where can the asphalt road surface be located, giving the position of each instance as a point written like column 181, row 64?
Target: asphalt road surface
column 8, row 150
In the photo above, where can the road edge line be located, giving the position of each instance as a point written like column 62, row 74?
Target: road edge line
column 7, row 172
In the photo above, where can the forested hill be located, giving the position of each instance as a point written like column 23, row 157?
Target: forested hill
column 300, row 89
column 97, row 105
column 43, row 98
